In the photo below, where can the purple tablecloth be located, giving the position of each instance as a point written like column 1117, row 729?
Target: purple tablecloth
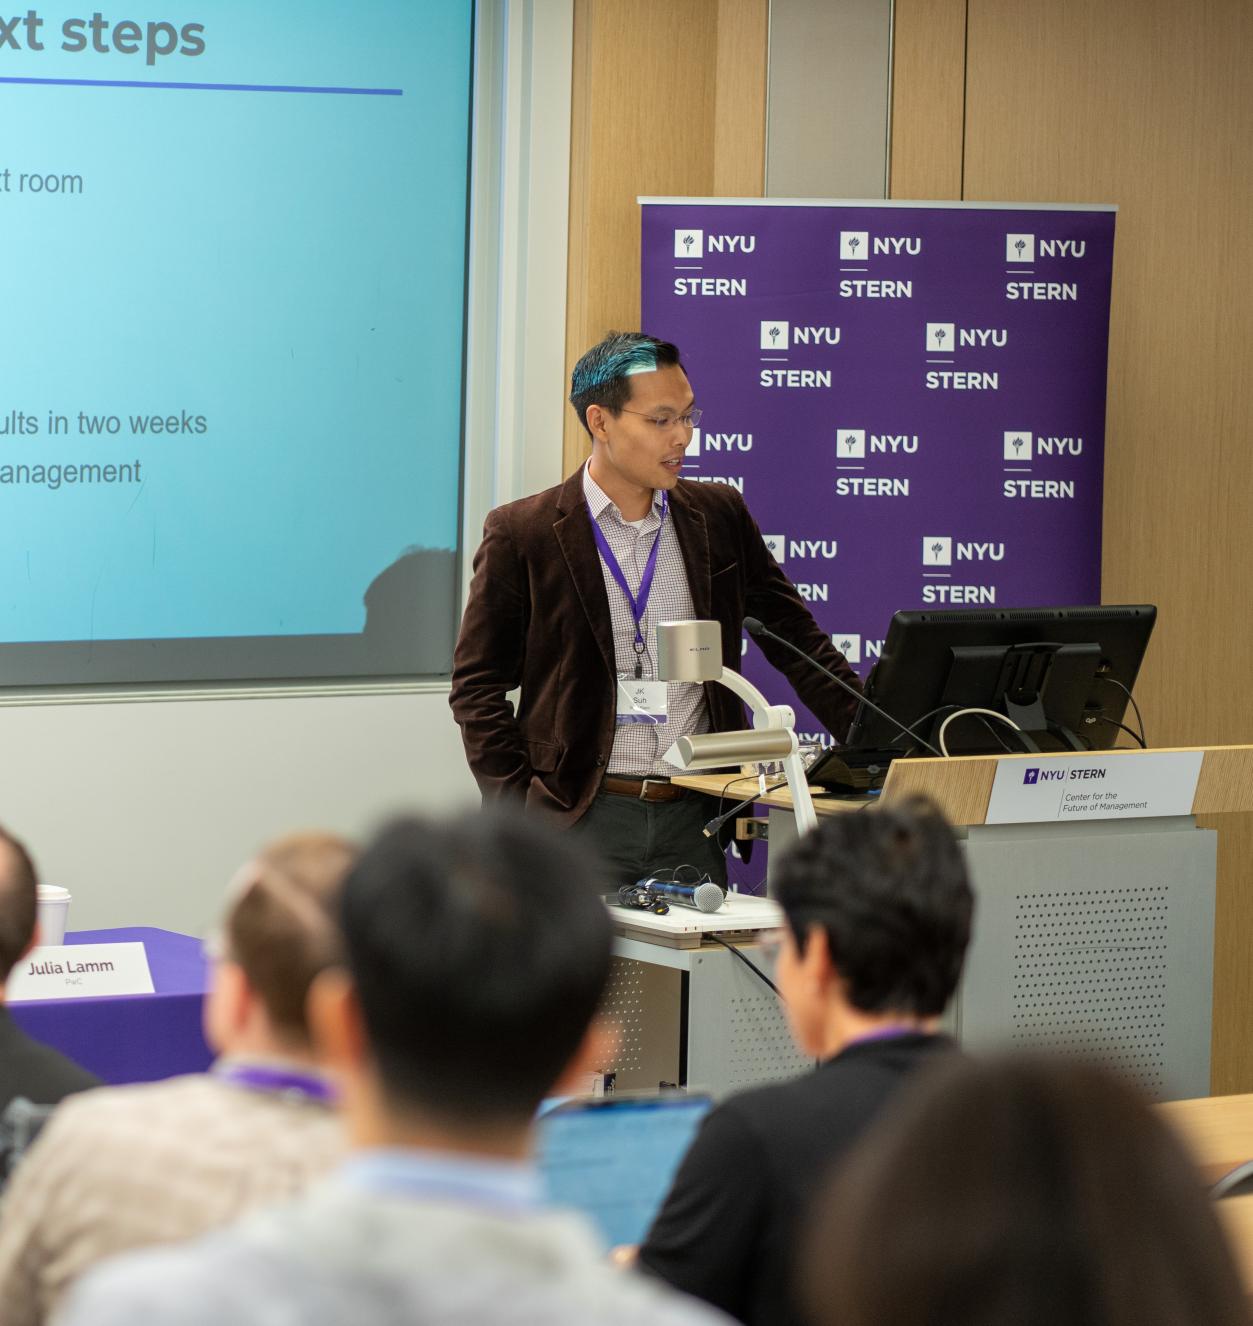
column 131, row 1038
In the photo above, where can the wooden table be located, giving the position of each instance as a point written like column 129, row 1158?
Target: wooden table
column 1217, row 1130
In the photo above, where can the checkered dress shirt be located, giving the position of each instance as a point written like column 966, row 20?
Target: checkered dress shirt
column 638, row 747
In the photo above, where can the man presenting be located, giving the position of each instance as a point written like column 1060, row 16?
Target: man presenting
column 568, row 589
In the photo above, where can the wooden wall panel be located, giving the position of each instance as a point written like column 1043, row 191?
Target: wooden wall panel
column 1148, row 104
column 740, row 98
column 668, row 99
column 928, row 99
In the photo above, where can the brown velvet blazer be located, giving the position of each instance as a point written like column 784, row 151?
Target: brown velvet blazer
column 538, row 619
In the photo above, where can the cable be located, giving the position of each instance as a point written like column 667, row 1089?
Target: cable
column 912, row 729
column 739, row 778
column 1135, row 736
column 988, row 713
column 1113, row 681
column 996, row 736
column 720, row 819
column 752, row 966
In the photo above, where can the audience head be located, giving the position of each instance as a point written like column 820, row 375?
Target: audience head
column 1022, row 1191
column 603, row 375
column 878, row 909
column 18, row 902
column 478, row 949
column 280, row 931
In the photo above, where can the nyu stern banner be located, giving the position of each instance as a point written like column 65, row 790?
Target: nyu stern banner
column 910, row 397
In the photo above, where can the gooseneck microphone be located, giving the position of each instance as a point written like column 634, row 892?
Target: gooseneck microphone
column 706, row 897
column 756, row 628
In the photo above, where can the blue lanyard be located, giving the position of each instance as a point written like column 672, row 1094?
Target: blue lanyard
column 505, row 1187
column 638, row 603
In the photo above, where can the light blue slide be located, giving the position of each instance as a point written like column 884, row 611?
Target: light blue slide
column 232, row 327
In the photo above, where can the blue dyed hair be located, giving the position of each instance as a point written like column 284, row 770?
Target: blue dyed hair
column 602, row 376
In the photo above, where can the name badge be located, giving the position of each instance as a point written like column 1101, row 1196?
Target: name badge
column 78, row 971
column 641, row 701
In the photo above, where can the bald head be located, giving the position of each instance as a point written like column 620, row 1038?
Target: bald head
column 17, row 902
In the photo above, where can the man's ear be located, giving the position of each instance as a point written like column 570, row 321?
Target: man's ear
column 335, row 1021
column 596, row 421
column 816, row 962
column 228, row 1005
column 35, row 939
column 596, row 1052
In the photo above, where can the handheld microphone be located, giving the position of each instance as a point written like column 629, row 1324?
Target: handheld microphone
column 641, row 899
column 706, row 897
column 756, row 628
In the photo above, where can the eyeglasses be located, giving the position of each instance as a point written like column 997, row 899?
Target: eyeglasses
column 770, row 943
column 214, row 948
column 687, row 421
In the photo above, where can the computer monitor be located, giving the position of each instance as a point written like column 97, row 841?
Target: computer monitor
column 1064, row 676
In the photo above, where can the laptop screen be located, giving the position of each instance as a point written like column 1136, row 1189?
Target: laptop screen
column 614, row 1158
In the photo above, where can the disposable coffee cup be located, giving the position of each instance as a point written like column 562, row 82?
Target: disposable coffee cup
column 54, row 911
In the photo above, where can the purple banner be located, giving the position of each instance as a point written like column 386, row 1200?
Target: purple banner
column 911, row 398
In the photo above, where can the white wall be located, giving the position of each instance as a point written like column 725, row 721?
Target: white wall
column 144, row 810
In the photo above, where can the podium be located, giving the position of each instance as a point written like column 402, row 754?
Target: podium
column 1092, row 937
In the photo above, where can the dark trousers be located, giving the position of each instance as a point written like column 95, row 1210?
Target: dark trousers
column 636, row 838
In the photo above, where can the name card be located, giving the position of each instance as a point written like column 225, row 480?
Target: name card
column 80, row 971
column 1094, row 787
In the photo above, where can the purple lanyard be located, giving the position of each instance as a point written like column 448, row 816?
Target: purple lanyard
column 285, row 1082
column 638, row 603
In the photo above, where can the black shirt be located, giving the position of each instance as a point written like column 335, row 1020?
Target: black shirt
column 38, row 1072
column 726, row 1232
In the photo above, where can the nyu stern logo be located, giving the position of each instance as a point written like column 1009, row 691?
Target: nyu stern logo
column 937, row 550
column 689, row 243
column 857, row 245
column 774, row 335
column 1019, row 248
column 1031, row 776
column 1018, row 444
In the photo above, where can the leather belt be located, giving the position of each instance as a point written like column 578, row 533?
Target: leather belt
column 643, row 789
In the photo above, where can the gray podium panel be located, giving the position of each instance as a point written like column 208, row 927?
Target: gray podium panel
column 1095, row 940
column 738, row 1035
column 644, row 1000
column 697, row 1016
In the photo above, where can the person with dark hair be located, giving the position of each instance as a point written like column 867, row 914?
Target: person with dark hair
column 28, row 1069
column 477, row 955
column 568, row 589
column 124, row 1167
column 1021, row 1190
column 878, row 913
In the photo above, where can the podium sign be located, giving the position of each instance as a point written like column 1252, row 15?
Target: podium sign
column 1094, row 787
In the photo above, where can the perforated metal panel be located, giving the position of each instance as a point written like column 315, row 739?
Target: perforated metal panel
column 759, row 1045
column 644, row 1002
column 1095, row 941
column 1090, row 977
column 738, row 1033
